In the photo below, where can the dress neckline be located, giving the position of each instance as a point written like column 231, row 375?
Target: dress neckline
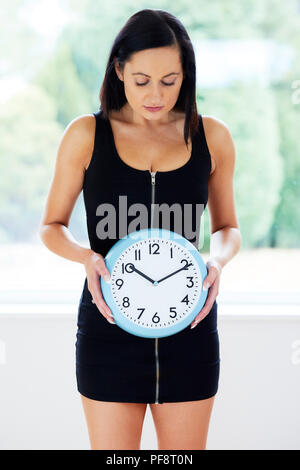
column 131, row 168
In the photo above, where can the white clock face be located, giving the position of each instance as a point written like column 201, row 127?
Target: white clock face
column 156, row 283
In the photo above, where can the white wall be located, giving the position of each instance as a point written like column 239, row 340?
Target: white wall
column 257, row 405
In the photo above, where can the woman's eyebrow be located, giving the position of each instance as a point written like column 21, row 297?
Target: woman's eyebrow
column 141, row 73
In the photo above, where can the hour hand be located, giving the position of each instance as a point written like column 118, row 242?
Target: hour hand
column 177, row 271
column 130, row 268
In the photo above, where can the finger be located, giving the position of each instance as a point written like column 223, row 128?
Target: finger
column 104, row 310
column 97, row 297
column 213, row 270
column 201, row 316
column 106, row 276
column 104, row 272
column 98, row 300
column 205, row 309
column 102, row 306
column 210, row 278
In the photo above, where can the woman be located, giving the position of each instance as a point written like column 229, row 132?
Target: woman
column 120, row 151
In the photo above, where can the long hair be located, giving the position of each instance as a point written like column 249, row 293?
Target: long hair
column 148, row 29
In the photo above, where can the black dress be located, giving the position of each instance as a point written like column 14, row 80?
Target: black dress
column 112, row 364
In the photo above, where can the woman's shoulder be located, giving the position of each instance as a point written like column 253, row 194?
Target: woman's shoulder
column 81, row 130
column 214, row 127
column 83, row 123
column 218, row 138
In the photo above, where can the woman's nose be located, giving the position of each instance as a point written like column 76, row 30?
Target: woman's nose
column 156, row 95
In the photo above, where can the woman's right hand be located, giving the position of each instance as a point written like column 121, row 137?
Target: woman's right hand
column 95, row 267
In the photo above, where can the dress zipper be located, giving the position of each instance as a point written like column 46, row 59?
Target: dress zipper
column 156, row 339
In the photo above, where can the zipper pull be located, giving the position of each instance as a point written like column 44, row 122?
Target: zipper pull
column 152, row 176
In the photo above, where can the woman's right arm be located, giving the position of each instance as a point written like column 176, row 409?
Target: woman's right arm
column 73, row 157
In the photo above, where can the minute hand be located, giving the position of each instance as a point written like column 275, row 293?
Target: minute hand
column 178, row 270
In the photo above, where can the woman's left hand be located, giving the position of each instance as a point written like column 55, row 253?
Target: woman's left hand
column 212, row 282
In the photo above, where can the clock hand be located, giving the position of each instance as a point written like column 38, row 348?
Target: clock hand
column 178, row 270
column 138, row 272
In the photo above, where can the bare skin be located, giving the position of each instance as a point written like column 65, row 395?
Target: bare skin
column 118, row 426
column 114, row 425
column 159, row 139
column 182, row 425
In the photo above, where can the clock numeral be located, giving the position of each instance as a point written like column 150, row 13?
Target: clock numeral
column 128, row 268
column 186, row 299
column 172, row 309
column 137, row 254
column 142, row 311
column 190, row 280
column 126, row 302
column 187, row 264
column 155, row 318
column 119, row 283
column 171, row 252
column 151, row 245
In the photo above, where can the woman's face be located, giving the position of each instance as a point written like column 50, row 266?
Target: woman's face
column 152, row 77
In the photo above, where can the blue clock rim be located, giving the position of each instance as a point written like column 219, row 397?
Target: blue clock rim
column 110, row 260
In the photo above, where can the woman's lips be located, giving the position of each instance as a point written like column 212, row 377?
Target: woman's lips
column 157, row 108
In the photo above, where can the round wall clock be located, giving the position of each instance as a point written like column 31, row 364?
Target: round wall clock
column 155, row 289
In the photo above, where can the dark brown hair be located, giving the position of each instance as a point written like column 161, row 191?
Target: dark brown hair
column 148, row 29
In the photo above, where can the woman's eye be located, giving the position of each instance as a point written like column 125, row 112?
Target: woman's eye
column 167, row 84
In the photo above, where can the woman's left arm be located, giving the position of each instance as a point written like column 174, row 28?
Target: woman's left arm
column 226, row 237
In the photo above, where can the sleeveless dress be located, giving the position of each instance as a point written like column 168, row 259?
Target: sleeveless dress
column 112, row 364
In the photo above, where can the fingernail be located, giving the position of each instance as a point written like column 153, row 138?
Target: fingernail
column 112, row 322
column 205, row 286
column 107, row 277
column 195, row 324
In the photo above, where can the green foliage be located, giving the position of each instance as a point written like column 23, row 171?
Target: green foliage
column 66, row 83
column 60, row 80
column 285, row 229
column 250, row 114
column 29, row 135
